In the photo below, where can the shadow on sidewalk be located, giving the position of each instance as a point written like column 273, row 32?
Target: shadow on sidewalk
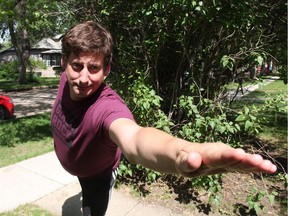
column 72, row 206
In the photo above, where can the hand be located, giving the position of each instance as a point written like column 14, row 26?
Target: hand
column 215, row 158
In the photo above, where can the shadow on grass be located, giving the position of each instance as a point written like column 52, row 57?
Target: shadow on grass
column 8, row 85
column 26, row 129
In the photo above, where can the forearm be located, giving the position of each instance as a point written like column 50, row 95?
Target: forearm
column 157, row 150
column 149, row 147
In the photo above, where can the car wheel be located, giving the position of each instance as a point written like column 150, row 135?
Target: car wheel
column 2, row 113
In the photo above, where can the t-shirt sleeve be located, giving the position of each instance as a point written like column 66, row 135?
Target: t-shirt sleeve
column 115, row 111
column 111, row 108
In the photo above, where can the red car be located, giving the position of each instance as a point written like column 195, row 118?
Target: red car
column 6, row 107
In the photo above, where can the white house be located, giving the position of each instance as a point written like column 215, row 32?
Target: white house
column 48, row 50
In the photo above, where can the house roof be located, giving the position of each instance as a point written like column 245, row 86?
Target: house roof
column 52, row 51
column 48, row 43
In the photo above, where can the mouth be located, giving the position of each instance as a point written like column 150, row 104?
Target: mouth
column 81, row 87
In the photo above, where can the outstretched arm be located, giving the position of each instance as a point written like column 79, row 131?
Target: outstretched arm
column 162, row 152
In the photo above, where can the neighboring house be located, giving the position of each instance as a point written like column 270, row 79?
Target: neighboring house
column 48, row 50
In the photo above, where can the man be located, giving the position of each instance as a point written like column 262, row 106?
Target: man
column 92, row 125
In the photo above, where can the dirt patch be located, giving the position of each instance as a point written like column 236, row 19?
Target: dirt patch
column 185, row 200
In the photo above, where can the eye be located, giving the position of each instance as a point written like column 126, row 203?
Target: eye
column 94, row 69
column 77, row 67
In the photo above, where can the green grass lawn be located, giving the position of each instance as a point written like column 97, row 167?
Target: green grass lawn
column 14, row 85
column 264, row 94
column 27, row 210
column 270, row 90
column 20, row 152
column 24, row 138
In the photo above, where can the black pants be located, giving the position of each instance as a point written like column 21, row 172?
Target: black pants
column 96, row 194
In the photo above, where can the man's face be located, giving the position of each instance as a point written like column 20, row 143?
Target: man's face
column 85, row 73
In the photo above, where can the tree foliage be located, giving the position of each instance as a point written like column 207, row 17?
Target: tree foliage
column 28, row 21
column 179, row 43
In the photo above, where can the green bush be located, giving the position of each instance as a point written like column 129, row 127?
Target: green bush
column 204, row 120
column 9, row 70
column 199, row 122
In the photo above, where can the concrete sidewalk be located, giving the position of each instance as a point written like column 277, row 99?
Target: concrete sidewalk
column 42, row 181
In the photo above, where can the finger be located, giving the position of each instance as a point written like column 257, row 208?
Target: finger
column 268, row 167
column 258, row 164
column 245, row 162
column 194, row 162
column 189, row 163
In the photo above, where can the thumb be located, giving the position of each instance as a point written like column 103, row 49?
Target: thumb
column 188, row 162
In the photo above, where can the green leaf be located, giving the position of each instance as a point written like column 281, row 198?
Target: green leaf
column 241, row 118
column 166, row 128
column 221, row 129
column 198, row 135
column 246, row 110
column 237, row 127
column 248, row 125
column 224, row 61
column 146, row 105
column 212, row 124
column 272, row 197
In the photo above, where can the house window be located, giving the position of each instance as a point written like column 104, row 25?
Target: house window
column 51, row 60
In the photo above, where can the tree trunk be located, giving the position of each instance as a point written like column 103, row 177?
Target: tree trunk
column 25, row 46
column 21, row 45
column 24, row 57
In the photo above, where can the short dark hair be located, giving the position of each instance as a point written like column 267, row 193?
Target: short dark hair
column 88, row 36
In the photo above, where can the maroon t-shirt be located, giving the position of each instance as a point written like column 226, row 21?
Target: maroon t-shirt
column 80, row 130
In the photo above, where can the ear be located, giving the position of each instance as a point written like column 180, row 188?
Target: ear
column 107, row 71
column 63, row 63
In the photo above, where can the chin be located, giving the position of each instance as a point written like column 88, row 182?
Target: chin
column 83, row 93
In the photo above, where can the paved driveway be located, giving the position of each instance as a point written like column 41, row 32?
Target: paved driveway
column 31, row 102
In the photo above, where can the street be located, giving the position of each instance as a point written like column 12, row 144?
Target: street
column 31, row 102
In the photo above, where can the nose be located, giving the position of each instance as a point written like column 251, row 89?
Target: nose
column 84, row 76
